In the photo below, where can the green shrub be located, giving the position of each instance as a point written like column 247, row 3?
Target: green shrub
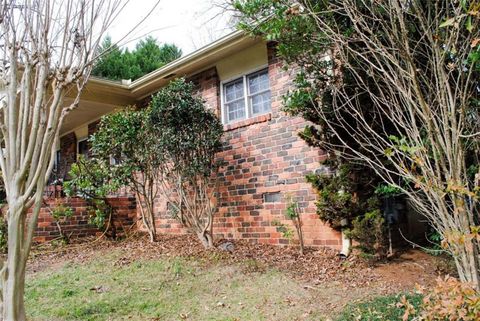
column 370, row 230
column 350, row 199
column 93, row 180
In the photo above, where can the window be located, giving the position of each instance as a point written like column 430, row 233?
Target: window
column 272, row 197
column 82, row 148
column 246, row 97
column 56, row 163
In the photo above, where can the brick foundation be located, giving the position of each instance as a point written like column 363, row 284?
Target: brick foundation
column 77, row 225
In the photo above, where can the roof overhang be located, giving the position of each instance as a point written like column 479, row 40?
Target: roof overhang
column 101, row 96
column 190, row 64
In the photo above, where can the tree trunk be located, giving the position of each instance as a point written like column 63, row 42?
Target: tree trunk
column 148, row 218
column 206, row 239
column 13, row 277
column 152, row 230
column 467, row 263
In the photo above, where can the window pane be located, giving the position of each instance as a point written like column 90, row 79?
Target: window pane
column 258, row 82
column 260, row 103
column 83, row 148
column 235, row 110
column 234, row 90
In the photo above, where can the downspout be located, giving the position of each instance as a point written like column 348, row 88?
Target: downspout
column 346, row 241
column 346, row 244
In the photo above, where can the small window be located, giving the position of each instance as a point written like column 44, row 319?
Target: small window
column 82, row 148
column 272, row 197
column 246, row 97
column 56, row 162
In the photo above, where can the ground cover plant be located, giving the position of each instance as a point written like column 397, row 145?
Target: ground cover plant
column 381, row 308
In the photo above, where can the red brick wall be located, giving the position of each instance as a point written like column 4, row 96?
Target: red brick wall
column 263, row 155
column 77, row 225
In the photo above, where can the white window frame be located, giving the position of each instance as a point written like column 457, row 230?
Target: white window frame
column 246, row 95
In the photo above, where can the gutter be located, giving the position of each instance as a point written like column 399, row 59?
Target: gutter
column 170, row 67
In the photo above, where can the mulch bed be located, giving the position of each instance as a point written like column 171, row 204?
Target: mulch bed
column 316, row 266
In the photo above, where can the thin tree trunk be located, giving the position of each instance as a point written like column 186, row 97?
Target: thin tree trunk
column 206, row 239
column 13, row 277
column 467, row 263
column 300, row 235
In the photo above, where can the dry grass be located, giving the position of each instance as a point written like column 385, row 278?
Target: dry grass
column 175, row 279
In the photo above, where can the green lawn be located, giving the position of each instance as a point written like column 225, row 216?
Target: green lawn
column 382, row 308
column 168, row 289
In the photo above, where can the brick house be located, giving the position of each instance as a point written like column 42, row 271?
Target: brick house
column 242, row 79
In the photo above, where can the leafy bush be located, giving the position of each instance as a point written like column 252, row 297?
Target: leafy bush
column 369, row 231
column 343, row 194
column 293, row 214
column 189, row 138
column 60, row 213
column 450, row 300
column 130, row 139
column 166, row 150
column 93, row 180
column 349, row 199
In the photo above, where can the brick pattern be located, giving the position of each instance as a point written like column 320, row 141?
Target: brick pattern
column 263, row 155
column 77, row 225
column 207, row 84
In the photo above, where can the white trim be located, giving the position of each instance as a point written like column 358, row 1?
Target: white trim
column 222, row 111
column 246, row 94
column 90, row 121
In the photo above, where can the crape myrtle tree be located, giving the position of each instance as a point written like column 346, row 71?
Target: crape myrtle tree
column 189, row 138
column 47, row 49
column 127, row 143
column 392, row 86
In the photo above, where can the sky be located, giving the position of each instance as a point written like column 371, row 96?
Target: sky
column 189, row 24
